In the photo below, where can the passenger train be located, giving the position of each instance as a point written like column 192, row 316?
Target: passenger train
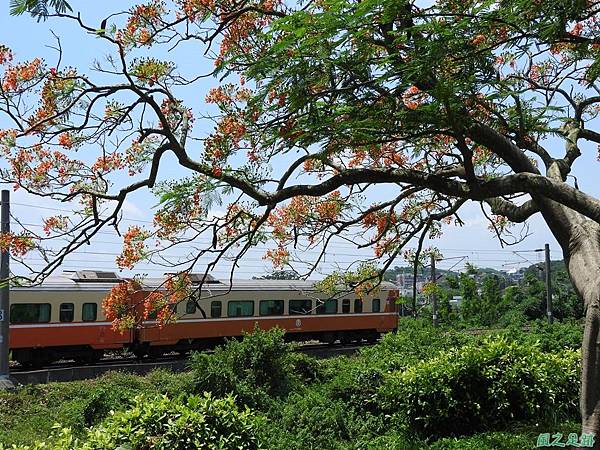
column 63, row 318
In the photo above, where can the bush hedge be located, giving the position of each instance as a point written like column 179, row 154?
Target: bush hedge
column 256, row 368
column 162, row 423
column 483, row 387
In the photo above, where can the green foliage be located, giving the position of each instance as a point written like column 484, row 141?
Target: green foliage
column 169, row 424
column 483, row 387
column 470, row 305
column 415, row 340
column 487, row 441
column 254, row 369
column 30, row 412
column 414, row 386
column 356, row 380
column 552, row 338
column 312, row 419
column 38, row 8
column 163, row 423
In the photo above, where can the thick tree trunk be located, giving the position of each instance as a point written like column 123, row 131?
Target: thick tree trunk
column 583, row 263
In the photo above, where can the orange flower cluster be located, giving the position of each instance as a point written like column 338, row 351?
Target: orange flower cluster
column 6, row 55
column 16, row 244
column 174, row 111
column 384, row 246
column 108, row 163
column 330, row 208
column 7, row 141
column 196, row 8
column 477, row 40
column 178, row 288
column 159, row 304
column 233, row 128
column 117, row 306
column 226, row 138
column 218, row 95
column 382, row 220
column 387, row 154
column 141, row 24
column 294, row 214
column 55, row 223
column 21, row 73
column 237, row 36
column 412, row 97
column 55, row 87
column 65, row 140
column 481, row 155
column 278, row 257
column 23, row 164
column 226, row 94
column 577, row 29
column 134, row 248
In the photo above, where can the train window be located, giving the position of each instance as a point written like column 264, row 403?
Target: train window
column 66, row 312
column 327, row 307
column 346, row 306
column 30, row 312
column 190, row 307
column 242, row 308
column 89, row 312
column 358, row 304
column 300, row 307
column 271, row 307
column 215, row 309
column 376, row 305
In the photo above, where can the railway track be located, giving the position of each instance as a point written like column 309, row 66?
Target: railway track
column 66, row 371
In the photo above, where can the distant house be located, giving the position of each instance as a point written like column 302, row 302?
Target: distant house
column 404, row 281
column 455, row 301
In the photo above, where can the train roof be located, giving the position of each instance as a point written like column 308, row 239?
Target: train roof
column 71, row 281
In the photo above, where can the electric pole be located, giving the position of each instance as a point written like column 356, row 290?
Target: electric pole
column 548, row 284
column 433, row 296
column 5, row 382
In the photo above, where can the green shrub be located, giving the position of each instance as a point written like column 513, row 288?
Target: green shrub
column 312, row 420
column 254, row 369
column 356, row 380
column 161, row 423
column 481, row 387
column 305, row 368
column 166, row 424
column 554, row 337
column 415, row 340
column 28, row 413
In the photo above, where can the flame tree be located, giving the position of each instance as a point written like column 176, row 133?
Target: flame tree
column 321, row 103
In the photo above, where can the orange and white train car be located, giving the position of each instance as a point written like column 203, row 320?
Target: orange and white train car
column 63, row 318
column 295, row 306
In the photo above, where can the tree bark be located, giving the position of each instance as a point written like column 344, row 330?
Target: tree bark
column 582, row 258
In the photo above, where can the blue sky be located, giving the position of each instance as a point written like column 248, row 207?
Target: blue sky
column 29, row 39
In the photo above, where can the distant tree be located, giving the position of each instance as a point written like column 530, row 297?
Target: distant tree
column 280, row 275
column 491, row 297
column 445, row 313
column 470, row 304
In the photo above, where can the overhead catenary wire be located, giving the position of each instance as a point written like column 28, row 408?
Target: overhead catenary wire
column 340, row 244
